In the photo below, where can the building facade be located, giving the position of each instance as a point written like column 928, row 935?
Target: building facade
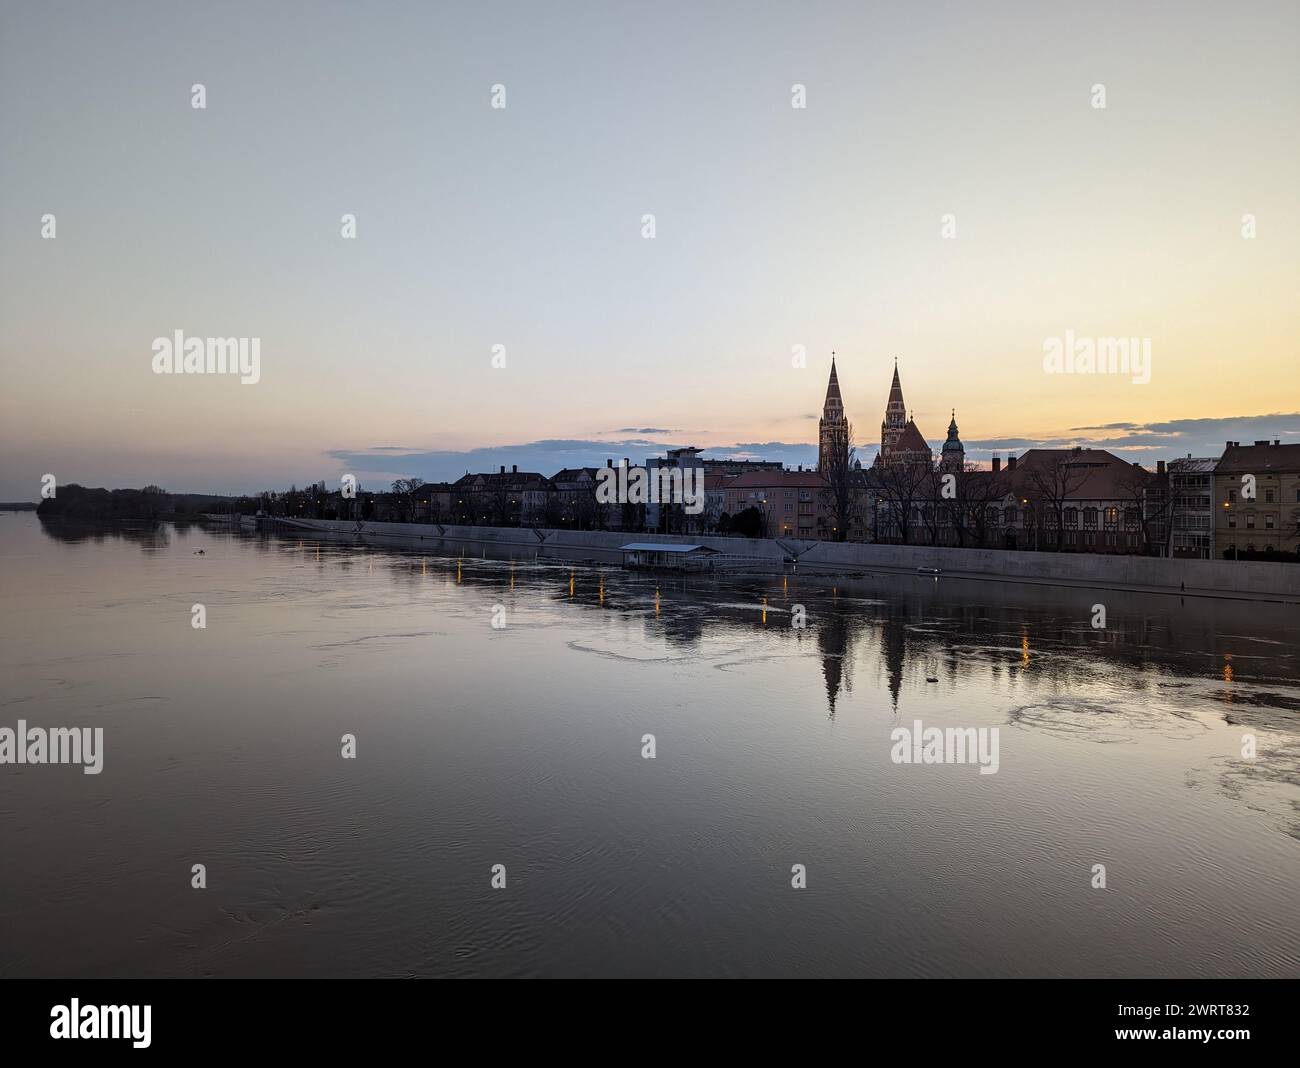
column 1257, row 493
column 1191, row 518
column 794, row 504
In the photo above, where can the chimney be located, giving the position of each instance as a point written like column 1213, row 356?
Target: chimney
column 1264, row 442
column 514, row 469
column 997, row 464
column 1160, row 467
column 1277, row 441
column 1011, row 463
column 609, row 462
column 625, row 463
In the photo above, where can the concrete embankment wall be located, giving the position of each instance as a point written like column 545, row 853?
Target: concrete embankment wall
column 1274, row 580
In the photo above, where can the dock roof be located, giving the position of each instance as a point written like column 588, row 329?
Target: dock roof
column 663, row 547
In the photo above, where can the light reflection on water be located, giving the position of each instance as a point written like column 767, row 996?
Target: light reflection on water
column 521, row 746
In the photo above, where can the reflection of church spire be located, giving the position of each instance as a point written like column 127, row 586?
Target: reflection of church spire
column 893, row 647
column 835, row 641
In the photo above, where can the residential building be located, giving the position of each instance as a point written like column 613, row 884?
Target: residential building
column 740, row 467
column 1191, row 489
column 575, row 504
column 503, row 498
column 1074, row 500
column 794, row 504
column 671, row 517
column 1257, row 493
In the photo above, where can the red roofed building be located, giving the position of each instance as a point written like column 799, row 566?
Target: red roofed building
column 1077, row 500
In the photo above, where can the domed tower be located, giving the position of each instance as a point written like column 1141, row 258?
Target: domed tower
column 954, row 452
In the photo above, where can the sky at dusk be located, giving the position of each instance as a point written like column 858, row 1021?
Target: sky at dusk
column 775, row 227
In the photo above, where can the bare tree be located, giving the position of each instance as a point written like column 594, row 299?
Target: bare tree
column 406, row 493
column 1151, row 497
column 1051, row 482
column 839, row 475
column 501, row 501
column 976, row 490
column 902, row 487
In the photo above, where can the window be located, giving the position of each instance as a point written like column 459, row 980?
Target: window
column 1232, row 496
column 1010, row 517
column 1232, row 520
column 1112, row 516
column 1250, row 520
column 1268, row 521
column 1268, row 496
column 1071, row 518
column 1090, row 519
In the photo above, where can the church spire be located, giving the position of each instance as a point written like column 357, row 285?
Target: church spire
column 833, row 398
column 833, row 431
column 895, row 421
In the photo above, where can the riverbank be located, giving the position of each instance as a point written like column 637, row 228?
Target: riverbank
column 1243, row 580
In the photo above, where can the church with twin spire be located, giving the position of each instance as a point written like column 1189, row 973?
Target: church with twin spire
column 901, row 441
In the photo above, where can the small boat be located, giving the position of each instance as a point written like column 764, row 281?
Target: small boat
column 928, row 571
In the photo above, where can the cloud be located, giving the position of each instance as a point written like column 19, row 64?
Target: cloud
column 1141, row 442
column 383, row 464
column 1147, row 442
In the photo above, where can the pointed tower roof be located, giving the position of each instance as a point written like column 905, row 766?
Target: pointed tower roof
column 895, row 388
column 833, row 387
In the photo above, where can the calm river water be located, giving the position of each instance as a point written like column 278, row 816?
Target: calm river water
column 521, row 745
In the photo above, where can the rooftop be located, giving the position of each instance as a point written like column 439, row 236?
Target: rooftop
column 663, row 547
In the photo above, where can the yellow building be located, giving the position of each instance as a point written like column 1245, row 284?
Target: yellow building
column 1257, row 498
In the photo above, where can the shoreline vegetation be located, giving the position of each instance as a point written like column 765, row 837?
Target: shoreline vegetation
column 152, row 504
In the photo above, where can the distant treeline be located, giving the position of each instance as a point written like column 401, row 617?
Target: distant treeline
column 17, row 506
column 146, row 505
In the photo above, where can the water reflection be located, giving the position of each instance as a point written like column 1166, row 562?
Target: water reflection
column 1161, row 665
column 954, row 632
column 774, row 743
